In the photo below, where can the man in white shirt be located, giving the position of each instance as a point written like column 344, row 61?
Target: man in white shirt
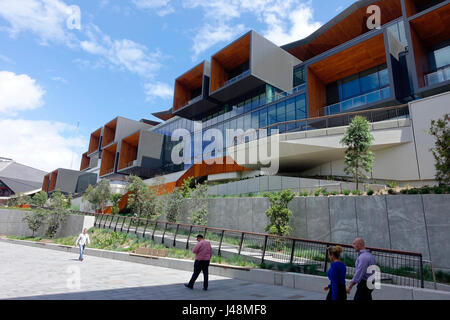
column 81, row 242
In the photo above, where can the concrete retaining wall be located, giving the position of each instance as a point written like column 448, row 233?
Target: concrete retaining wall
column 416, row 223
column 287, row 279
column 278, row 183
column 11, row 224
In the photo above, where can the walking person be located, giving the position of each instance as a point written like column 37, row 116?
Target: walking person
column 363, row 262
column 203, row 253
column 336, row 289
column 81, row 242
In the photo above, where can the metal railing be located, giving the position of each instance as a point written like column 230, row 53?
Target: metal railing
column 239, row 77
column 441, row 75
column 325, row 122
column 300, row 255
column 355, row 102
column 289, row 93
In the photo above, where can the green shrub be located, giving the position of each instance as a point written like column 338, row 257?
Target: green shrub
column 356, row 192
column 392, row 184
column 437, row 190
column 370, row 192
column 413, row 191
column 391, row 191
column 334, row 193
column 317, row 193
column 404, row 191
column 425, row 190
column 346, row 192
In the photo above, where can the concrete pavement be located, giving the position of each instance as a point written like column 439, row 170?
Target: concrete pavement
column 35, row 273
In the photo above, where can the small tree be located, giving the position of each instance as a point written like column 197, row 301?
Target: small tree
column 59, row 209
column 358, row 157
column 115, row 199
column 99, row 196
column 142, row 199
column 186, row 187
column 35, row 220
column 40, row 198
column 173, row 205
column 279, row 214
column 440, row 130
column 200, row 203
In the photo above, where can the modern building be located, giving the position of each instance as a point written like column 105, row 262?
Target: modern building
column 396, row 74
column 16, row 178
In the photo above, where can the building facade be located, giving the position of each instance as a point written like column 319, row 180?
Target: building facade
column 395, row 73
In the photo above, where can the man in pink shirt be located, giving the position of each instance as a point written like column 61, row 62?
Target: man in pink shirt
column 203, row 252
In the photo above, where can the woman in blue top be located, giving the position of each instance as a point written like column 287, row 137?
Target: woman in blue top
column 336, row 289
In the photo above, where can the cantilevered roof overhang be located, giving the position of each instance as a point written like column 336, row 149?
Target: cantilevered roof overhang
column 195, row 80
column 349, row 24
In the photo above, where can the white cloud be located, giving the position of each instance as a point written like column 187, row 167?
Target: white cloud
column 210, row 35
column 285, row 20
column 18, row 93
column 41, row 144
column 162, row 7
column 124, row 53
column 60, row 79
column 45, row 18
column 158, row 90
column 6, row 59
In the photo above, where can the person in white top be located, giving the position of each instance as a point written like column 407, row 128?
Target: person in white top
column 81, row 242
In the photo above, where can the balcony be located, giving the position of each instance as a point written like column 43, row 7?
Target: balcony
column 109, row 133
column 191, row 95
column 85, row 161
column 346, row 63
column 94, row 142
column 429, row 31
column 141, row 154
column 248, row 63
column 295, row 90
column 108, row 160
column 356, row 102
column 441, row 75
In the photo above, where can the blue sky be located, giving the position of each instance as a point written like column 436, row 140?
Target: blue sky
column 122, row 60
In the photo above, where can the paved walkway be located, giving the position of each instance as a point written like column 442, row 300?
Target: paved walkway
column 35, row 273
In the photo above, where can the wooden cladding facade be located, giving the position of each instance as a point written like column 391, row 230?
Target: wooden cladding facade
column 108, row 160
column 53, row 178
column 85, row 161
column 345, row 30
column 109, row 133
column 128, row 150
column 94, row 142
column 227, row 59
column 360, row 57
column 45, row 183
column 428, row 30
column 188, row 82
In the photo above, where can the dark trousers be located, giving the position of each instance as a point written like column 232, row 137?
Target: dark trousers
column 342, row 293
column 362, row 292
column 200, row 266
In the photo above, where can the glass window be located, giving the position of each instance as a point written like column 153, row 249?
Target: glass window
column 300, row 107
column 369, row 81
column 240, row 108
column 262, row 99
column 233, row 124
column 350, row 87
column 384, row 78
column 247, row 121
column 442, row 57
column 290, row 113
column 299, row 76
column 263, row 118
column 272, row 114
column 240, row 123
column 248, row 106
column 281, row 111
column 255, row 102
column 255, row 120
